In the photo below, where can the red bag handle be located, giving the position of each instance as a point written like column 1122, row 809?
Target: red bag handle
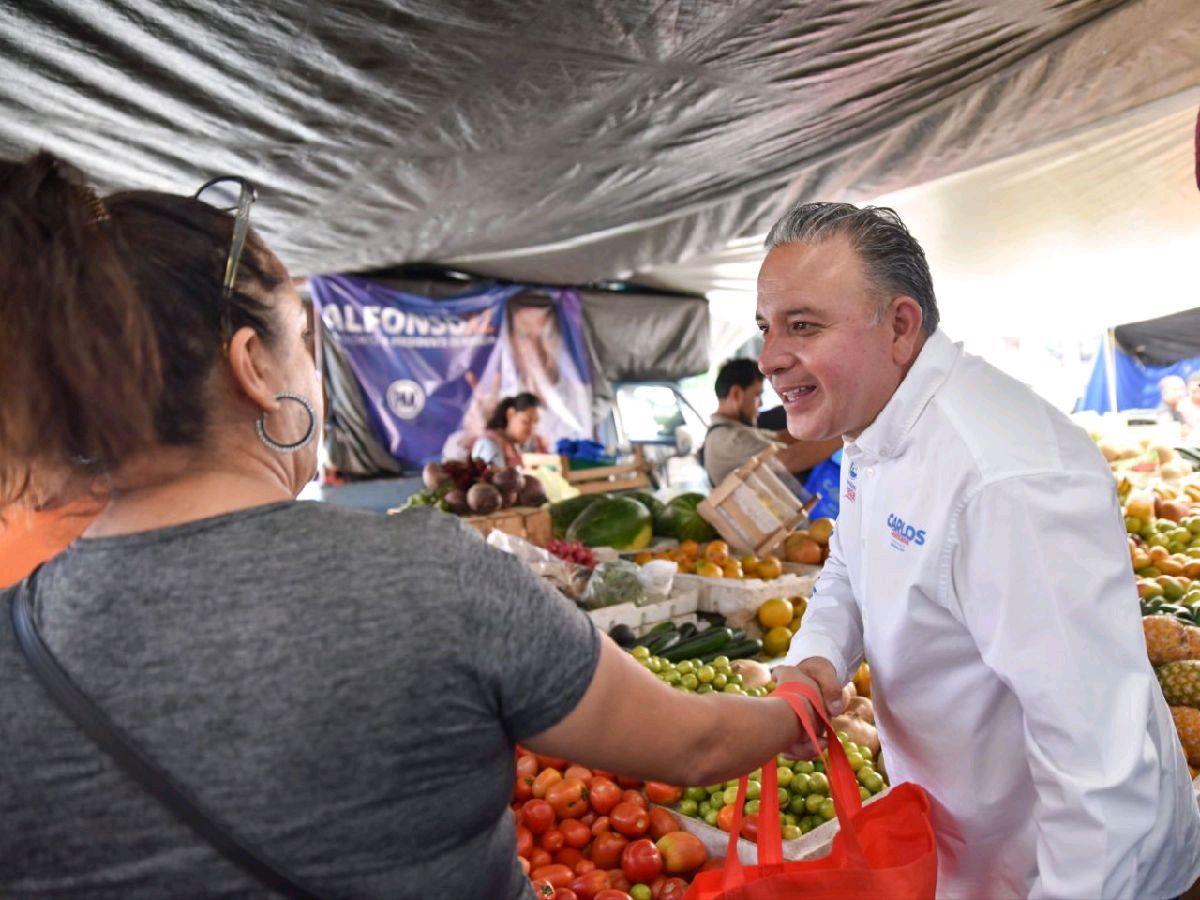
column 843, row 789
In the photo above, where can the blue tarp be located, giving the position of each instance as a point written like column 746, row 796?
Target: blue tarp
column 1137, row 384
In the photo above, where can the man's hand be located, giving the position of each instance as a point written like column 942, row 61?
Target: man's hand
column 818, row 673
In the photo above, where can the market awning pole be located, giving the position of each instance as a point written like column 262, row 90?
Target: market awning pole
column 1110, row 367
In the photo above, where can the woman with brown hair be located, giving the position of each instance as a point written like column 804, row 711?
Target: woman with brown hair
column 335, row 695
column 511, row 431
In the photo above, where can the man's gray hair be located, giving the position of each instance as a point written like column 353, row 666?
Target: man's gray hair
column 892, row 259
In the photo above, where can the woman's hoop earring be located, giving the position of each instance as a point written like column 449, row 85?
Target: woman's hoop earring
column 308, row 434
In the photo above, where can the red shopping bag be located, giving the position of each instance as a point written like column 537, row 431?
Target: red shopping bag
column 885, row 851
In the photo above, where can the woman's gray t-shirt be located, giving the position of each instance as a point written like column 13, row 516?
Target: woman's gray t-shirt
column 342, row 688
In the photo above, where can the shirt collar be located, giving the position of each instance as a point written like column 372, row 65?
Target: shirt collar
column 883, row 437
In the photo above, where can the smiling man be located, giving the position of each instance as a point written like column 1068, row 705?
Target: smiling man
column 980, row 563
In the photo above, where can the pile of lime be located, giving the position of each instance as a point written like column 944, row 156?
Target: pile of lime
column 804, row 800
column 700, row 677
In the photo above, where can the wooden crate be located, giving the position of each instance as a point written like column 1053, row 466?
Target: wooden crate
column 600, row 479
column 755, row 507
column 530, row 523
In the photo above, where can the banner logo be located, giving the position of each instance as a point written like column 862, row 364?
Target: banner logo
column 405, row 398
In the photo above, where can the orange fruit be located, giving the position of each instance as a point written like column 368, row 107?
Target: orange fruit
column 690, row 548
column 644, row 557
column 769, row 567
column 709, row 569
column 805, row 550
column 750, row 565
column 717, row 552
column 776, row 641
column 775, row 612
column 733, row 569
column 820, row 530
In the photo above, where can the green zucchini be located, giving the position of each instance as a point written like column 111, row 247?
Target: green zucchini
column 665, row 643
column 654, row 634
column 705, row 642
column 688, row 630
column 741, row 650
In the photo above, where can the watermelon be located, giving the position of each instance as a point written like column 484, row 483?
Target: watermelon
column 617, row 522
column 649, row 501
column 680, row 519
column 563, row 513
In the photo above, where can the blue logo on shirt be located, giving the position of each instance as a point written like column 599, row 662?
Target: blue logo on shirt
column 904, row 534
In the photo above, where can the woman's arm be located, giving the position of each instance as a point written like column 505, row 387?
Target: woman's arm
column 630, row 722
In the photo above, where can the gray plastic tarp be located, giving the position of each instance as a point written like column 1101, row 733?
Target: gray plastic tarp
column 564, row 142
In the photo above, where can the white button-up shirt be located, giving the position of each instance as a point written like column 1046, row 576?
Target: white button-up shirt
column 980, row 563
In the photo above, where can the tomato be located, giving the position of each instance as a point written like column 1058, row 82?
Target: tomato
column 539, row 858
column 569, row 798
column 523, row 788
column 575, row 833
column 641, row 861
column 630, row 819
column 557, row 875
column 604, row 795
column 626, row 782
column 725, row 817
column 617, row 880
column 552, row 840
column 662, row 821
column 565, row 894
column 524, row 841
column 713, row 862
column 607, row 850
column 612, row 894
column 750, row 827
column 588, row 818
column 584, row 775
column 568, row 856
column 537, row 816
column 551, row 762
column 588, row 885
column 527, row 767
column 584, row 866
column 666, row 794
column 545, row 780
column 600, row 773
column 543, row 890
column 673, row 889
column 681, row 852
column 601, row 825
column 632, row 796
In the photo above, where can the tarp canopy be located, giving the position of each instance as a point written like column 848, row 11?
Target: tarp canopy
column 566, row 142
column 1163, row 341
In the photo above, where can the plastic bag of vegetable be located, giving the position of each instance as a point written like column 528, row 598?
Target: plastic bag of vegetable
column 612, row 583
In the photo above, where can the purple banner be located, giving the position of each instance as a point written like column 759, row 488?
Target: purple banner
column 432, row 371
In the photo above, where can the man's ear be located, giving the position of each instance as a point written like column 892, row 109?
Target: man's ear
column 905, row 318
column 251, row 368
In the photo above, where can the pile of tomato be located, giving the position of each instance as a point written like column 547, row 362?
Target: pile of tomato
column 592, row 835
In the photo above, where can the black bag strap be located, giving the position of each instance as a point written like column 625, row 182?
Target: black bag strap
column 155, row 780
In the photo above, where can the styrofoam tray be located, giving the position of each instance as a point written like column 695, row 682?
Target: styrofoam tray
column 738, row 599
column 621, row 614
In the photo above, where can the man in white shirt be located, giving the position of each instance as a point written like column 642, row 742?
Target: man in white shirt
column 980, row 563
